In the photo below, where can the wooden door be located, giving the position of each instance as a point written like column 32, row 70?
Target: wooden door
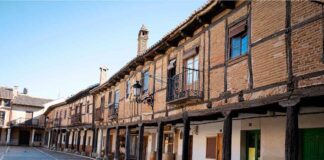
column 190, row 147
column 145, row 148
column 313, row 144
column 219, row 146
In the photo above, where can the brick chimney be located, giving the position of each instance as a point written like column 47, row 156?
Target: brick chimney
column 142, row 40
column 103, row 74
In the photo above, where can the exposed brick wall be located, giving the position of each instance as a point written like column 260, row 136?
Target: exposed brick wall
column 269, row 62
column 268, row 17
column 237, row 75
column 302, row 10
column 307, row 49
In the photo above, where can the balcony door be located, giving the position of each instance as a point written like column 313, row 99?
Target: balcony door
column 171, row 78
column 191, row 73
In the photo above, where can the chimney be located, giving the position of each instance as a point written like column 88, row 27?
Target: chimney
column 142, row 40
column 103, row 74
column 15, row 91
column 25, row 91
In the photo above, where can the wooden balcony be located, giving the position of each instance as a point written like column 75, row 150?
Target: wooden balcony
column 57, row 122
column 113, row 111
column 76, row 119
column 99, row 114
column 184, row 87
column 24, row 122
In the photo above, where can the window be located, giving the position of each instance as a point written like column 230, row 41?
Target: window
column 70, row 111
column 109, row 97
column 88, row 107
column 7, row 102
column 211, row 147
column 102, row 102
column 2, row 117
column 128, row 85
column 192, row 72
column 65, row 114
column 116, row 101
column 38, row 137
column 146, row 77
column 238, row 40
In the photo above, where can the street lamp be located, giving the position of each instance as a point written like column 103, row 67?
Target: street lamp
column 137, row 90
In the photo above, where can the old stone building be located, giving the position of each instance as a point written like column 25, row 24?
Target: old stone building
column 236, row 80
column 21, row 120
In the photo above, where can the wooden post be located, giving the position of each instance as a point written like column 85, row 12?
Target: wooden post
column 84, row 140
column 227, row 138
column 292, row 144
column 140, row 142
column 107, row 142
column 185, row 139
column 160, row 140
column 67, row 139
column 94, row 140
column 117, row 144
column 78, row 140
column 127, row 146
column 72, row 144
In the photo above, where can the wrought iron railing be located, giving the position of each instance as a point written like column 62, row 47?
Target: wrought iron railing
column 27, row 122
column 184, row 86
column 99, row 114
column 76, row 119
column 113, row 111
column 57, row 122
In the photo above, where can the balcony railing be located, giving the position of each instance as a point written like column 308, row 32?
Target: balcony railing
column 57, row 122
column 76, row 119
column 99, row 114
column 113, row 111
column 25, row 122
column 184, row 87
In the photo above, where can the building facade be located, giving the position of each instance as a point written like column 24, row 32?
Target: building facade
column 236, row 80
column 22, row 122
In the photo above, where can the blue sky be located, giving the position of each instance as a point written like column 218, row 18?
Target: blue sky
column 55, row 48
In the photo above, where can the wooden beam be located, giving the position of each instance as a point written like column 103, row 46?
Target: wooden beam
column 160, row 140
column 227, row 137
column 108, row 142
column 185, row 141
column 127, row 145
column 117, row 144
column 292, row 137
column 84, row 140
column 140, row 142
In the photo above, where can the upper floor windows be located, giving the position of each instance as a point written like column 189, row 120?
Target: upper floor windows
column 88, row 107
column 192, row 71
column 2, row 117
column 6, row 102
column 239, row 40
column 109, row 97
column 65, row 114
column 146, row 77
column 116, row 100
column 128, row 85
column 102, row 102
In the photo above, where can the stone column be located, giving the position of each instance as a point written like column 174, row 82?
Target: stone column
column 140, row 142
column 49, row 139
column 8, row 136
column 99, row 144
column 160, row 140
column 33, row 137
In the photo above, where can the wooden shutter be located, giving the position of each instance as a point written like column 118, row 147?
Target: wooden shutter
column 211, row 147
column 237, row 29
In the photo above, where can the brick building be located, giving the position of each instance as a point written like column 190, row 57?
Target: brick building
column 236, row 80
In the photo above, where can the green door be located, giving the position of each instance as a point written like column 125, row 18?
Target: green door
column 253, row 145
column 313, row 144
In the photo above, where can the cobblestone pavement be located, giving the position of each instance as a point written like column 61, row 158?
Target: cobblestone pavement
column 33, row 153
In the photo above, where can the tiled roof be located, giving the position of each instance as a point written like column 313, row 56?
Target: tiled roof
column 29, row 101
column 81, row 93
column 6, row 93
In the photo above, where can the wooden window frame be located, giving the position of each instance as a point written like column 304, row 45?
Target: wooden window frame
column 238, row 30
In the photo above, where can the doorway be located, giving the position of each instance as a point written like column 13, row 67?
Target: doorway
column 24, row 138
column 313, row 144
column 253, row 145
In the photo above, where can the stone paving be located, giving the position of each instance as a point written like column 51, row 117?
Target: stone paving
column 34, row 153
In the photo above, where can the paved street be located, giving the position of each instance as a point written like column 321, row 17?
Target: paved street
column 33, row 153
